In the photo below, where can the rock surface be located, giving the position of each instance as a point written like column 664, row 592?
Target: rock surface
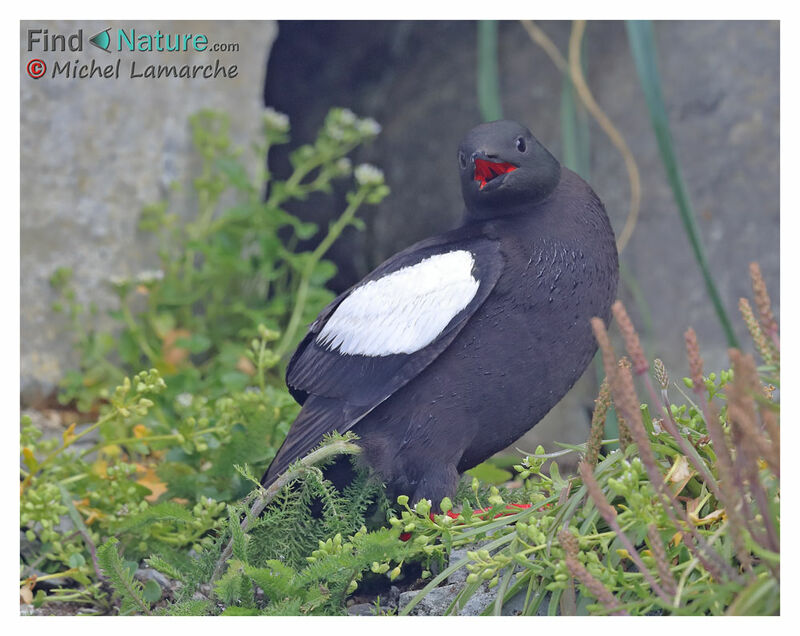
column 94, row 151
column 438, row 600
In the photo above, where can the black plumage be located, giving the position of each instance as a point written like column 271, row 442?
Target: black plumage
column 544, row 261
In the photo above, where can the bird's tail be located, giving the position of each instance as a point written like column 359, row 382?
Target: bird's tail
column 319, row 416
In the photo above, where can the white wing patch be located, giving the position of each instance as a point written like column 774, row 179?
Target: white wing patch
column 403, row 311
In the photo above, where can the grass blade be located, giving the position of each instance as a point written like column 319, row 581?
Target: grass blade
column 488, row 76
column 643, row 48
column 574, row 127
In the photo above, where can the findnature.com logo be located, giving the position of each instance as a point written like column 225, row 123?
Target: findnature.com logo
column 123, row 41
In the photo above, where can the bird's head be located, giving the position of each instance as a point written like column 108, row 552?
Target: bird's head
column 504, row 169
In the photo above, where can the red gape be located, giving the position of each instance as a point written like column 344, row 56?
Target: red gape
column 485, row 170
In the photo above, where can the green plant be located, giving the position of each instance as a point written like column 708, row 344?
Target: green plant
column 683, row 518
column 488, row 83
column 227, row 269
column 156, row 462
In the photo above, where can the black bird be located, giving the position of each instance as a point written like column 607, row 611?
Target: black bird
column 455, row 347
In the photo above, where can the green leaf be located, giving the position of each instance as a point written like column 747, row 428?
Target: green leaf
column 232, row 587
column 761, row 598
column 305, row 231
column 128, row 588
column 558, row 481
column 163, row 323
column 158, row 563
column 164, row 511
column 236, row 173
column 490, row 474
column 197, row 343
column 152, row 591
column 76, row 560
column 234, row 380
column 39, row 599
column 238, row 537
column 129, row 349
column 323, row 272
column 275, row 579
column 131, row 566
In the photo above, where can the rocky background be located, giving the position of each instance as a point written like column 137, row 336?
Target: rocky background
column 93, row 153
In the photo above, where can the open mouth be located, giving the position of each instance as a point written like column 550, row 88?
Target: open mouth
column 486, row 171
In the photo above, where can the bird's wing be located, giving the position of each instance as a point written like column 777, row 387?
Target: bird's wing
column 378, row 335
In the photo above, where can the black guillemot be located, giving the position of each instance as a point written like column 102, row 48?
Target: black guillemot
column 455, row 347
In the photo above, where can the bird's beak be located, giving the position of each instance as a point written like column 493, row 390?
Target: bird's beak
column 488, row 169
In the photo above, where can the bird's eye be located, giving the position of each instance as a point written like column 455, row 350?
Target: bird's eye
column 521, row 144
column 462, row 160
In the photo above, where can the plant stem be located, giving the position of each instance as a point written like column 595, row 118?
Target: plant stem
column 67, row 443
column 305, row 464
column 688, row 450
column 137, row 332
column 77, row 520
column 149, row 438
column 334, row 231
column 692, row 565
column 48, row 577
column 260, row 367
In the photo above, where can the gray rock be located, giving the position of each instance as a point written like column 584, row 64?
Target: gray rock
column 439, row 599
column 95, row 151
column 460, row 575
column 435, row 602
column 478, row 602
column 361, row 609
column 149, row 574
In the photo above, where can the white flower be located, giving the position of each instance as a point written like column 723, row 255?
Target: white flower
column 367, row 174
column 275, row 120
column 344, row 166
column 336, row 132
column 184, row 399
column 369, row 127
column 347, row 117
column 149, row 276
column 430, row 503
column 118, row 281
